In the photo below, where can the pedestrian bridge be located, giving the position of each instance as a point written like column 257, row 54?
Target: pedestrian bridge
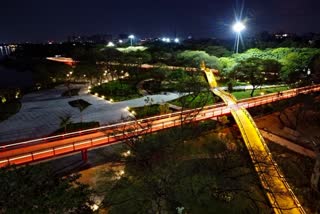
column 278, row 191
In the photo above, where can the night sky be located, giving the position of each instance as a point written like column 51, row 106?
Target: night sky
column 40, row 20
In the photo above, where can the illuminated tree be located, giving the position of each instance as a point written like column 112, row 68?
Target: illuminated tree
column 256, row 71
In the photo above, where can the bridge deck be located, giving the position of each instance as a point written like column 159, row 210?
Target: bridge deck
column 278, row 191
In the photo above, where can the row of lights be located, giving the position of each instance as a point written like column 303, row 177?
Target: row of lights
column 168, row 40
column 132, row 37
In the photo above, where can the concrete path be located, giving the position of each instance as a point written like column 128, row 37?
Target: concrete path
column 288, row 144
column 40, row 112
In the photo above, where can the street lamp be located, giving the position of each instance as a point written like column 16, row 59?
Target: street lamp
column 131, row 37
column 238, row 27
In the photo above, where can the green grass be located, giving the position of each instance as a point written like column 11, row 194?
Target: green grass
column 193, row 101
column 149, row 111
column 146, row 111
column 246, row 94
column 8, row 109
column 118, row 90
column 207, row 98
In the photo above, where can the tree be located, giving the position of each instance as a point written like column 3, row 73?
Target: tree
column 164, row 108
column 36, row 189
column 296, row 65
column 218, row 51
column 90, row 70
column 159, row 175
column 255, row 70
column 65, row 121
column 315, row 69
column 193, row 59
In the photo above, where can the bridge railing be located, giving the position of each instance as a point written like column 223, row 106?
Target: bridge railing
column 253, row 102
column 108, row 139
column 255, row 162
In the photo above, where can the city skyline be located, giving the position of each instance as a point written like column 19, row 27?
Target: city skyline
column 38, row 21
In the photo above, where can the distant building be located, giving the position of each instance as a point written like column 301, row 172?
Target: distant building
column 282, row 35
column 94, row 39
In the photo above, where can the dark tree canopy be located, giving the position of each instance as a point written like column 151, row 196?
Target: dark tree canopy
column 36, row 189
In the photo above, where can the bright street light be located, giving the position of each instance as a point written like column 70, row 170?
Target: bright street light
column 176, row 40
column 131, row 37
column 238, row 27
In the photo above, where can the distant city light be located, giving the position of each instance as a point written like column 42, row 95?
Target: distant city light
column 176, row 40
column 165, row 39
column 120, row 41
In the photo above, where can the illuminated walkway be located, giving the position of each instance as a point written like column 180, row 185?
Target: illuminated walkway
column 278, row 191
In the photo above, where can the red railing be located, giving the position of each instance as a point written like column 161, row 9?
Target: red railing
column 48, row 147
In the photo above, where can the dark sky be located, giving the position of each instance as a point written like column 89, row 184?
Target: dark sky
column 41, row 20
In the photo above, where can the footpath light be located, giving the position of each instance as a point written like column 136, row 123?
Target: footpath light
column 131, row 37
column 238, row 27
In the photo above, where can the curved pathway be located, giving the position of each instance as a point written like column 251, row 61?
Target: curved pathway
column 40, row 112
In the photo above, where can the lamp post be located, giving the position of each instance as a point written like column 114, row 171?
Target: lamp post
column 131, row 37
column 238, row 27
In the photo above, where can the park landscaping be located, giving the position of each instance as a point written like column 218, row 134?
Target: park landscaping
column 9, row 108
column 194, row 158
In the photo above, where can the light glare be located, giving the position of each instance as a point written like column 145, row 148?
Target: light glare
column 238, row 27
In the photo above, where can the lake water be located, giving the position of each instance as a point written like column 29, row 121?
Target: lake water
column 12, row 78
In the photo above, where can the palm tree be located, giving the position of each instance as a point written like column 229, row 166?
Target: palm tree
column 65, row 121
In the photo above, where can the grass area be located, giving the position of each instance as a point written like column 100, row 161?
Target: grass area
column 195, row 101
column 132, row 49
column 118, row 90
column 246, row 94
column 297, row 170
column 206, row 98
column 146, row 111
column 80, row 104
column 8, row 109
column 73, row 127
column 71, row 92
column 150, row 110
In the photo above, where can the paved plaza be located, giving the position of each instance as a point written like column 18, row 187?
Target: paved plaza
column 41, row 111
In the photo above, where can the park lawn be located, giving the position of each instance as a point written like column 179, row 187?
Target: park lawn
column 118, row 90
column 146, row 111
column 8, row 109
column 150, row 110
column 246, row 94
column 206, row 98
column 190, row 101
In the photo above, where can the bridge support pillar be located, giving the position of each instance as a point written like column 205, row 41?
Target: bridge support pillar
column 84, row 154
